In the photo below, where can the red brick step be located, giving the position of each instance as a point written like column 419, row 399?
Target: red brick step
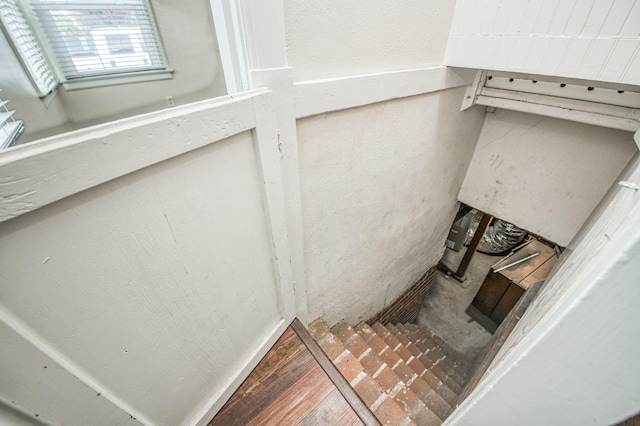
column 404, row 373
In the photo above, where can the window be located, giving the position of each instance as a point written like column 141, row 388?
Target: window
column 24, row 42
column 10, row 128
column 86, row 38
column 119, row 44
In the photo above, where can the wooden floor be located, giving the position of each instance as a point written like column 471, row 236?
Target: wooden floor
column 288, row 387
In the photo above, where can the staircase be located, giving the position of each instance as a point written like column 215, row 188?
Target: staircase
column 404, row 373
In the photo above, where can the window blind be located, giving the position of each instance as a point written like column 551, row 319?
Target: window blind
column 99, row 37
column 10, row 128
column 25, row 44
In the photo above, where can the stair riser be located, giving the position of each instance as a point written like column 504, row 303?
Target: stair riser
column 431, row 363
column 402, row 372
column 377, row 370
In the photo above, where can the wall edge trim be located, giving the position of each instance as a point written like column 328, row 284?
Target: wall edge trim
column 316, row 97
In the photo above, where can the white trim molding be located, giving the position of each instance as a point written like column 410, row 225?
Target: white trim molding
column 51, row 169
column 321, row 96
column 568, row 109
column 117, row 79
column 204, row 415
column 231, row 44
column 280, row 82
column 607, row 105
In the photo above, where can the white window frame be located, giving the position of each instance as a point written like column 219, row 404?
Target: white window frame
column 27, row 48
column 106, row 79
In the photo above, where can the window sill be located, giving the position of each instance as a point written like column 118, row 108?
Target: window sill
column 117, row 79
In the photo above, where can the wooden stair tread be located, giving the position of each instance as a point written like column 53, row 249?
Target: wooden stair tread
column 287, row 387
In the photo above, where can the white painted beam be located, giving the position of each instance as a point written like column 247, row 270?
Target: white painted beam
column 266, row 145
column 280, row 82
column 585, row 91
column 262, row 23
column 230, row 39
column 471, row 96
column 563, row 102
column 322, row 96
column 98, row 154
column 596, row 119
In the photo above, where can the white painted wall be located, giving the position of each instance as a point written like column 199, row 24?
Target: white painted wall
column 35, row 383
column 543, row 174
column 337, row 38
column 379, row 186
column 587, row 39
column 572, row 358
column 189, row 39
column 159, row 289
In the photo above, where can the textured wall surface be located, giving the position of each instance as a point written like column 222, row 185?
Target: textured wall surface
column 337, row 38
column 156, row 286
column 379, row 186
column 543, row 174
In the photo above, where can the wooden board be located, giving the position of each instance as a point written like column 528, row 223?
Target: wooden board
column 288, row 387
column 490, row 292
column 506, row 303
column 519, row 272
column 500, row 291
column 539, row 274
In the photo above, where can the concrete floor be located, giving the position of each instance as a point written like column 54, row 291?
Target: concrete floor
column 446, row 302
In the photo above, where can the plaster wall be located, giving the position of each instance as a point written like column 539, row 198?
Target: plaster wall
column 573, row 355
column 338, row 38
column 543, row 174
column 51, row 391
column 378, row 192
column 143, row 296
column 187, row 32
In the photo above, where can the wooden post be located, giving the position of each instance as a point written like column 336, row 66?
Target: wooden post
column 473, row 245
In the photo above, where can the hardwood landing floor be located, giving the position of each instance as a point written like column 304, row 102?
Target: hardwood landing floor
column 288, row 387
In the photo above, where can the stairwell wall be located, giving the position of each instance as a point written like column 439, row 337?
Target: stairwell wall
column 335, row 38
column 544, row 174
column 378, row 189
column 573, row 355
column 378, row 181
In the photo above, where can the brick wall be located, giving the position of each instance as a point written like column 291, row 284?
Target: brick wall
column 406, row 307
